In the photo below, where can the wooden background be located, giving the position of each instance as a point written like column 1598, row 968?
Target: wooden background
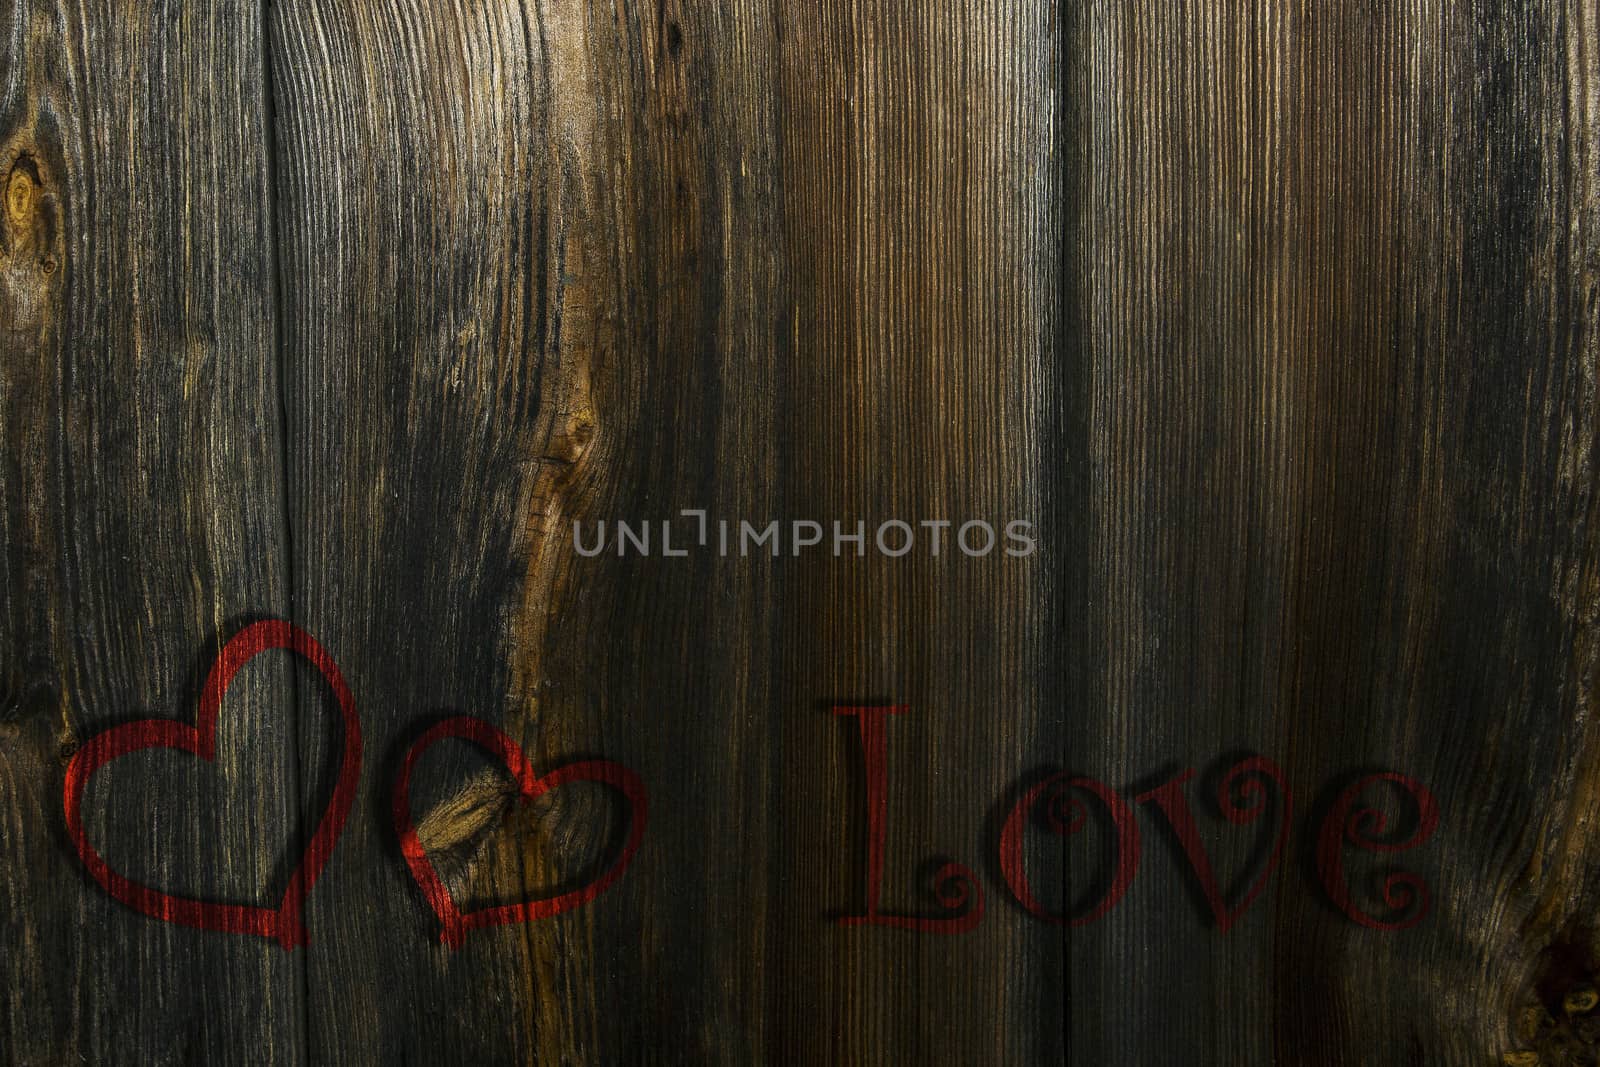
column 1280, row 320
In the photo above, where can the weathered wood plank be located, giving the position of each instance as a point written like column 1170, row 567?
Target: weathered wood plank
column 1280, row 322
column 140, row 519
column 563, row 261
column 450, row 277
column 1333, row 272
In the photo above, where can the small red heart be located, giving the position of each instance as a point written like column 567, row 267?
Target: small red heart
column 284, row 921
column 455, row 922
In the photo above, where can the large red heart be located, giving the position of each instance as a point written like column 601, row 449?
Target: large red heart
column 284, row 921
column 455, row 922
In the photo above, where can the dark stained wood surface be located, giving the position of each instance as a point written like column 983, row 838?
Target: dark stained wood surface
column 1279, row 322
column 1335, row 286
column 142, row 520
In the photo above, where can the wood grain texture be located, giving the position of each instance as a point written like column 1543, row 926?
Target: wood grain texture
column 446, row 304
column 1279, row 321
column 574, row 263
column 1334, row 280
column 141, row 519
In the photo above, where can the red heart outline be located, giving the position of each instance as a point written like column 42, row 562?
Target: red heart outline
column 455, row 922
column 283, row 922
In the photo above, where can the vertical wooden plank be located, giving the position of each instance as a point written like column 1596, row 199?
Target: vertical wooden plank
column 140, row 521
column 450, row 286
column 920, row 194
column 1334, row 271
column 561, row 261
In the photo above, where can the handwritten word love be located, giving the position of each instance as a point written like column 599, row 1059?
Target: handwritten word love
column 284, row 923
column 1242, row 798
